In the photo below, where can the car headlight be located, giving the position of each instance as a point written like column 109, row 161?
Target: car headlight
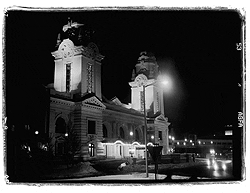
column 224, row 167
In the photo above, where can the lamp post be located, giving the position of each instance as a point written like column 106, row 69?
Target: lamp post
column 145, row 128
column 142, row 80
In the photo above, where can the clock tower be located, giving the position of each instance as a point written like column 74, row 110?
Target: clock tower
column 75, row 99
column 77, row 67
column 148, row 66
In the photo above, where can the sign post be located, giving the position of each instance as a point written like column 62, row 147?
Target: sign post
column 142, row 80
column 155, row 152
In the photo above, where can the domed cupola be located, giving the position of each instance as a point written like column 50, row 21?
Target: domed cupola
column 146, row 65
column 76, row 32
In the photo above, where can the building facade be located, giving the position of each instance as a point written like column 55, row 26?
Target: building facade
column 104, row 128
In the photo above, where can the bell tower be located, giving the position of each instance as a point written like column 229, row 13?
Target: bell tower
column 77, row 62
column 75, row 97
column 148, row 66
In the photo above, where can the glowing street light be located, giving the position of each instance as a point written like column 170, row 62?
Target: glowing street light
column 131, row 133
column 165, row 82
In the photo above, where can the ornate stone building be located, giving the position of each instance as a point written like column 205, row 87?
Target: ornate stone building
column 104, row 128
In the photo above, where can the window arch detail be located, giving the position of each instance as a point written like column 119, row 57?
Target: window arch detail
column 60, row 125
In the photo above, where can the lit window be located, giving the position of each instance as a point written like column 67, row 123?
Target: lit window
column 91, row 150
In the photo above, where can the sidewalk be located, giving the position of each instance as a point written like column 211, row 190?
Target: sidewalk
column 124, row 177
column 134, row 176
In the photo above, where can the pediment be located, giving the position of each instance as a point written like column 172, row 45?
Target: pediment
column 93, row 101
column 161, row 118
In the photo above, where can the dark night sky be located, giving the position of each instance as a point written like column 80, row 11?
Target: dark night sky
column 197, row 49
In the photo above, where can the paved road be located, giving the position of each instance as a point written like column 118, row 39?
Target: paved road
column 219, row 169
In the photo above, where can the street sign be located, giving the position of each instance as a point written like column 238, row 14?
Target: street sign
column 155, row 152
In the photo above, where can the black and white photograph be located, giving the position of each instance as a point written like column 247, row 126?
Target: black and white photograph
column 124, row 95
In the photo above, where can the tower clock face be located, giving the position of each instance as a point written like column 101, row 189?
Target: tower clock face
column 66, row 48
column 141, row 80
column 67, row 52
column 93, row 49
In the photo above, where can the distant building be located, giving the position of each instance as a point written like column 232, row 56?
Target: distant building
column 105, row 128
column 221, row 146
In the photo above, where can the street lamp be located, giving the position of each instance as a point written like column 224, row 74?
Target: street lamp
column 142, row 80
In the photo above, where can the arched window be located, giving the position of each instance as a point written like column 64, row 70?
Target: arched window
column 122, row 135
column 137, row 135
column 105, row 131
column 60, row 125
